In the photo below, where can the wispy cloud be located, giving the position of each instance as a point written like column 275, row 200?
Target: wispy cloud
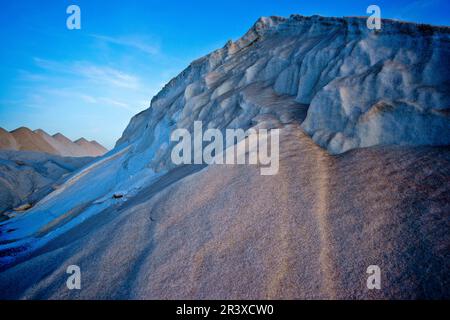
column 91, row 72
column 30, row 76
column 116, row 103
column 69, row 93
column 140, row 43
column 101, row 74
column 88, row 99
column 32, row 101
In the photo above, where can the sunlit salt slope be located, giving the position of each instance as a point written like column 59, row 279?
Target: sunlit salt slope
column 130, row 217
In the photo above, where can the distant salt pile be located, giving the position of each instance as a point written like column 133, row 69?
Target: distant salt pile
column 23, row 139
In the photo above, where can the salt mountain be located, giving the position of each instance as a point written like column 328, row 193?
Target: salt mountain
column 141, row 228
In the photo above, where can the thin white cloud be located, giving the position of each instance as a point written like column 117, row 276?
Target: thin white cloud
column 67, row 93
column 102, row 75
column 85, row 85
column 28, row 102
column 71, row 94
column 116, row 103
column 30, row 76
column 88, row 98
column 135, row 42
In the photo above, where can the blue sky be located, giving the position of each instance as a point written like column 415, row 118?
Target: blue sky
column 90, row 82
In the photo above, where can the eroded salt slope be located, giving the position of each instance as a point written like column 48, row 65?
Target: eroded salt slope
column 362, row 88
